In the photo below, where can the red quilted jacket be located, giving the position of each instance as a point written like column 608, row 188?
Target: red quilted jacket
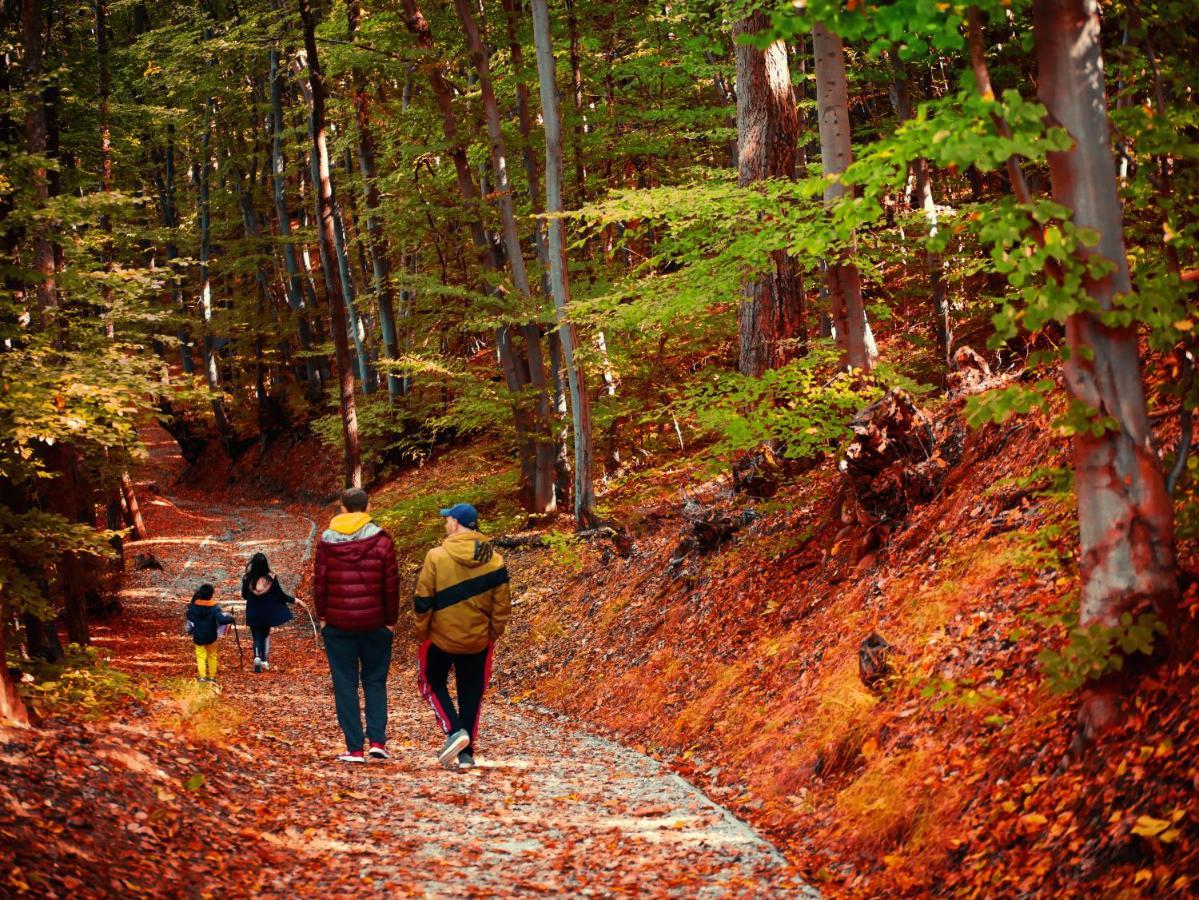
column 357, row 584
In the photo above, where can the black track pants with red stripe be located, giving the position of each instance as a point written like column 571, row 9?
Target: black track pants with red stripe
column 472, row 672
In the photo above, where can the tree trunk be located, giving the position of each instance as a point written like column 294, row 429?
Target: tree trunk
column 211, row 370
column 60, row 491
column 376, row 242
column 328, row 238
column 294, row 281
column 169, row 218
column 921, row 172
column 514, row 367
column 580, row 403
column 105, row 89
column 61, row 495
column 12, row 707
column 771, row 315
column 543, row 498
column 836, row 153
column 576, row 93
column 135, row 509
column 1124, row 512
column 353, row 320
column 36, row 141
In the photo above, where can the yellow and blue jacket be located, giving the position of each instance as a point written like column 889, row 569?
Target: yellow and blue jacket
column 462, row 598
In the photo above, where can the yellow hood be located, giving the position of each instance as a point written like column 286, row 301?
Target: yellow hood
column 348, row 523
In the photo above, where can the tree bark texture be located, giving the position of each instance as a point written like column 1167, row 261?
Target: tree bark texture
column 512, row 364
column 12, row 707
column 836, row 153
column 326, row 229
column 36, row 142
column 544, row 499
column 771, row 314
column 1124, row 512
column 212, row 373
column 376, row 241
column 293, row 283
column 580, row 403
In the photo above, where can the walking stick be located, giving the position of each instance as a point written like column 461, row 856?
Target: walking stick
column 241, row 657
column 311, row 620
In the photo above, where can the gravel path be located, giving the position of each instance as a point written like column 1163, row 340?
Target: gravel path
column 549, row 810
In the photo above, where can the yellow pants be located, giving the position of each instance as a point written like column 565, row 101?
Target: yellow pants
column 206, row 660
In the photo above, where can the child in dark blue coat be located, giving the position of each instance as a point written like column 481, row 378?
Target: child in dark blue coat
column 205, row 621
column 266, row 606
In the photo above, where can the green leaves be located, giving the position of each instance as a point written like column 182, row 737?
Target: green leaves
column 1094, row 651
column 1001, row 404
column 804, row 406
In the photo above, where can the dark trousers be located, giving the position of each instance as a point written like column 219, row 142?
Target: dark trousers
column 359, row 656
column 472, row 671
column 262, row 640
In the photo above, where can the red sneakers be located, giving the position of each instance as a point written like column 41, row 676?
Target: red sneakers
column 352, row 756
column 378, row 751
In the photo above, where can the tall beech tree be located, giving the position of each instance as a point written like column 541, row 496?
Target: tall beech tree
column 519, row 370
column 842, row 280
column 326, row 230
column 375, row 239
column 580, row 403
column 771, row 314
column 544, row 499
column 1125, row 515
column 293, row 283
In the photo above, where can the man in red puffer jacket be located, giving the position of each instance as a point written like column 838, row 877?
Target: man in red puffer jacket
column 357, row 595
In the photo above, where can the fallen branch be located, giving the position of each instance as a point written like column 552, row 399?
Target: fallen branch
column 537, row 539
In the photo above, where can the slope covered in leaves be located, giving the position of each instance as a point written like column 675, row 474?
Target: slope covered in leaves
column 740, row 666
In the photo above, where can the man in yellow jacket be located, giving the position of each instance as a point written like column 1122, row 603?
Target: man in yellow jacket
column 462, row 605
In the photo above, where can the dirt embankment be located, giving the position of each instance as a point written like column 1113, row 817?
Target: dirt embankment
column 740, row 665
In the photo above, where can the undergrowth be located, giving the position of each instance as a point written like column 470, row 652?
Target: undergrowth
column 81, row 685
column 413, row 521
column 195, row 709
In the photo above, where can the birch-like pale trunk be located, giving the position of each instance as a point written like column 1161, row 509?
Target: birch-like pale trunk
column 580, row 403
column 375, row 240
column 922, row 173
column 842, row 279
column 294, row 284
column 328, row 240
column 212, row 372
column 544, row 495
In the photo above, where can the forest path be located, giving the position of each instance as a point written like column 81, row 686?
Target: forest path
column 549, row 810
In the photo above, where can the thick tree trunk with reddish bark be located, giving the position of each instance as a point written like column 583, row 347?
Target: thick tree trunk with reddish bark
column 59, row 493
column 771, row 315
column 326, row 230
column 836, row 153
column 1124, row 512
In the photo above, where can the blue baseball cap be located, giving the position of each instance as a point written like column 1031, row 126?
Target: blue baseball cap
column 465, row 514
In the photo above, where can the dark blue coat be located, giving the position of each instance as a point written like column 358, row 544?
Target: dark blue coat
column 269, row 609
column 204, row 619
